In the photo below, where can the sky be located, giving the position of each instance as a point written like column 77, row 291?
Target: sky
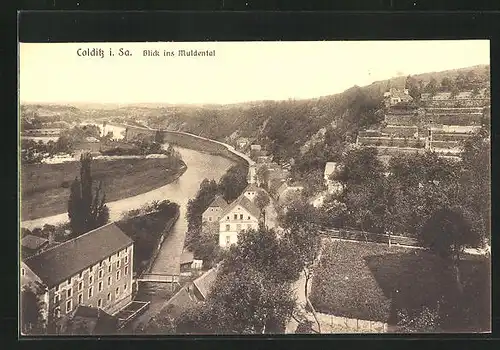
column 239, row 71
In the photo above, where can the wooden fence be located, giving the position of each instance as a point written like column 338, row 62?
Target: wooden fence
column 356, row 235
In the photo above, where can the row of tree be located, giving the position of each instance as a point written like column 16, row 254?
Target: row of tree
column 404, row 196
column 462, row 82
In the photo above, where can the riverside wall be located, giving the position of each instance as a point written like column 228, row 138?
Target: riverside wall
column 190, row 141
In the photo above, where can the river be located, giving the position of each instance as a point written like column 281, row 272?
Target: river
column 199, row 167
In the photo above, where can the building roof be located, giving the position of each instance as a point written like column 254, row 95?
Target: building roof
column 205, row 282
column 187, row 257
column 331, row 167
column 251, row 187
column 33, row 242
column 246, row 204
column 218, row 202
column 65, row 260
column 93, row 320
column 179, row 302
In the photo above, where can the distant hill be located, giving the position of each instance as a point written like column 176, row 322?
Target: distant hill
column 283, row 127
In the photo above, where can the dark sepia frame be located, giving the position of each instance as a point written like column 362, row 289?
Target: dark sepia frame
column 74, row 27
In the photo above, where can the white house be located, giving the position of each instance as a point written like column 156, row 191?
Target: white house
column 240, row 215
column 332, row 168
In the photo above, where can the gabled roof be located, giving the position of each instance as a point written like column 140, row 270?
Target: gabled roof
column 187, row 257
column 218, row 202
column 33, row 242
column 246, row 204
column 251, row 187
column 205, row 282
column 95, row 321
column 179, row 302
column 69, row 258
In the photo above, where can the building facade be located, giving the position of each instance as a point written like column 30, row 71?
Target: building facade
column 214, row 211
column 94, row 270
column 240, row 215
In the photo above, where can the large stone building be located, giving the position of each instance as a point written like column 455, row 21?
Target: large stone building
column 94, row 270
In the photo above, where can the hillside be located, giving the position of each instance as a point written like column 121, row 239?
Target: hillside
column 285, row 128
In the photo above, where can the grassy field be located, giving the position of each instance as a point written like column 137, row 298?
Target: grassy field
column 45, row 187
column 369, row 281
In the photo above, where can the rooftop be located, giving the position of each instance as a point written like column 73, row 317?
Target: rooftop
column 218, row 202
column 69, row 258
column 205, row 282
column 187, row 257
column 246, row 204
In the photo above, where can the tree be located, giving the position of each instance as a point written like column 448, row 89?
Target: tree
column 196, row 206
column 32, row 321
column 304, row 242
column 447, row 232
column 432, row 86
column 360, row 166
column 233, row 182
column 262, row 201
column 427, row 321
column 262, row 176
column 85, row 210
column 257, row 273
column 413, row 87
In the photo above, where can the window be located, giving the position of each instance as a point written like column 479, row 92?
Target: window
column 22, row 272
column 248, row 217
column 80, row 275
column 100, row 273
column 235, row 216
column 125, row 287
column 241, row 216
column 69, row 281
column 118, row 264
column 91, row 269
column 126, row 270
column 56, row 299
column 91, row 291
column 57, row 312
column 117, row 291
column 100, row 264
column 109, row 269
column 100, row 286
column 91, row 279
column 80, row 299
column 68, row 306
column 109, row 280
column 117, row 275
column 109, row 259
column 99, row 303
column 57, row 288
column 69, row 292
column 126, row 259
column 209, row 218
column 109, row 296
column 80, row 286
column 227, row 217
column 119, row 253
column 228, row 227
column 228, row 240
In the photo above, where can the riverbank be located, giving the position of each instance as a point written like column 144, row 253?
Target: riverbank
column 148, row 230
column 45, row 187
